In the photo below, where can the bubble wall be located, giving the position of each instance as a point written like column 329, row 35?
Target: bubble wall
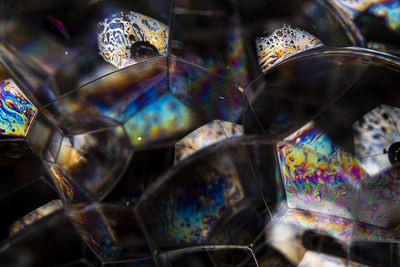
column 170, row 133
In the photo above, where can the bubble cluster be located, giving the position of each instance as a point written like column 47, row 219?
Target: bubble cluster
column 125, row 37
column 283, row 43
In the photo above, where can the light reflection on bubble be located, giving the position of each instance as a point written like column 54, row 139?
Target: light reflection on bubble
column 374, row 134
column 283, row 43
column 36, row 215
column 313, row 259
column 188, row 206
column 120, row 31
column 16, row 111
column 336, row 227
column 160, row 120
column 388, row 10
column 204, row 136
column 191, row 221
column 95, row 230
column 319, row 175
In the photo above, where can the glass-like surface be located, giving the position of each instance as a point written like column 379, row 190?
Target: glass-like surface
column 209, row 34
column 94, row 160
column 188, row 203
column 376, row 137
column 378, row 21
column 148, row 134
column 61, row 52
column 283, row 43
column 116, row 235
column 126, row 37
column 35, row 215
column 163, row 119
column 319, row 175
column 288, row 96
column 318, row 19
column 17, row 113
column 206, row 135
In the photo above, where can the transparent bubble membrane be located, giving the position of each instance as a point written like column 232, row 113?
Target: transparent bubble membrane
column 119, row 34
column 116, row 235
column 200, row 200
column 61, row 53
column 35, row 215
column 206, row 135
column 218, row 44
column 374, row 135
column 289, row 95
column 387, row 10
column 283, row 43
column 53, row 241
column 378, row 21
column 318, row 175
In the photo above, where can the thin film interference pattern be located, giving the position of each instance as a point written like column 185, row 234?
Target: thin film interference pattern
column 16, row 111
column 387, row 11
column 319, row 175
column 118, row 33
column 204, row 136
column 283, row 43
column 35, row 215
column 187, row 213
column 375, row 134
column 336, row 227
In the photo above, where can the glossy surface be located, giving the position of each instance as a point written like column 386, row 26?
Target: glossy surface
column 120, row 32
column 205, row 135
column 276, row 179
column 374, row 134
column 16, row 111
column 283, row 43
column 319, row 175
column 35, row 215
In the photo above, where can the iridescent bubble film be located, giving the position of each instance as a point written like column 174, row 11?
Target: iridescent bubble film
column 374, row 135
column 283, row 43
column 379, row 200
column 186, row 214
column 119, row 33
column 16, row 111
column 36, row 215
column 337, row 227
column 204, row 136
column 313, row 259
column 199, row 133
column 388, row 10
column 160, row 120
column 318, row 175
column 99, row 236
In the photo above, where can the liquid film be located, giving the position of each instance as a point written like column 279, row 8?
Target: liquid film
column 204, row 136
column 374, row 133
column 16, row 111
column 189, row 205
column 118, row 32
column 314, row 259
column 318, row 175
column 100, row 235
column 283, row 43
column 386, row 10
column 36, row 215
column 336, row 227
column 161, row 120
